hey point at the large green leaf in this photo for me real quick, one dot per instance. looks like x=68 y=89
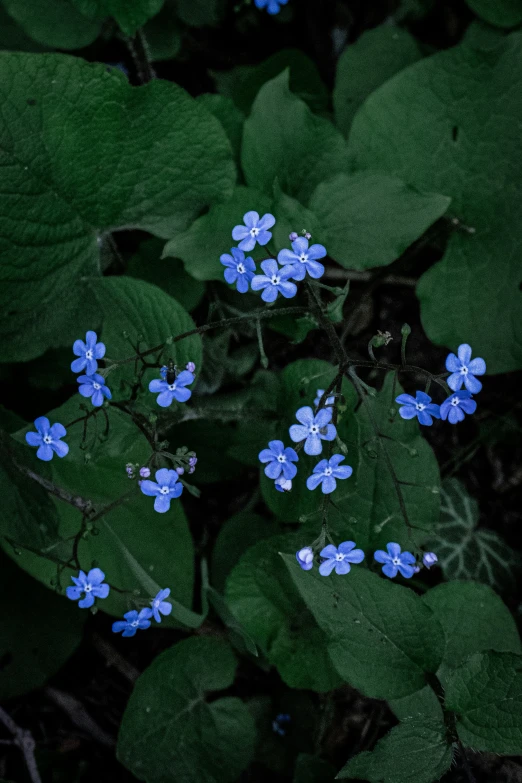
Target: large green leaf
x=235 y=536
x=282 y=139
x=502 y=13
x=446 y=124
x=415 y=751
x=170 y=732
x=466 y=551
x=197 y=13
x=486 y=695
x=261 y=595
x=53 y=23
x=83 y=152
x=376 y=56
x=350 y=206
x=130 y=15
x=382 y=638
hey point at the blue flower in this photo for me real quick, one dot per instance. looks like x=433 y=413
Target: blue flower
x=339 y=558
x=172 y=391
x=254 y=230
x=47 y=439
x=166 y=489
x=463 y=370
x=456 y=405
x=240 y=270
x=279 y=460
x=305 y=558
x=283 y=485
x=325 y=473
x=132 y=622
x=274 y=281
x=93 y=386
x=395 y=561
x=420 y=406
x=313 y=429
x=90 y=584
x=160 y=606
x=303 y=259
x=329 y=400
x=282 y=718
x=429 y=559
x=272 y=6
x=88 y=351
x=163 y=372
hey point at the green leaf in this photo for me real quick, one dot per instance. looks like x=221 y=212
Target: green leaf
x=486 y=695
x=197 y=13
x=260 y=594
x=415 y=751
x=466 y=551
x=170 y=732
x=84 y=152
x=149 y=265
x=138 y=308
x=418 y=127
x=56 y=24
x=292 y=216
x=374 y=58
x=200 y=246
x=129 y=15
x=230 y=117
x=243 y=83
x=381 y=637
x=163 y=33
x=351 y=207
x=238 y=636
x=55 y=625
x=282 y=139
x=312 y=769
x=422 y=704
x=235 y=536
x=13 y=37
x=501 y=13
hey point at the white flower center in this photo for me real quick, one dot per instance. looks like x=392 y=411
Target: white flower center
x=254 y=232
x=464 y=370
x=241 y=269
x=455 y=401
x=135 y=623
x=303 y=258
x=87 y=588
x=275 y=280
x=96 y=386
x=47 y=439
x=281 y=458
x=314 y=429
x=419 y=406
x=164 y=490
x=339 y=556
x=396 y=561
x=88 y=355
x=172 y=387
x=328 y=471
x=155 y=604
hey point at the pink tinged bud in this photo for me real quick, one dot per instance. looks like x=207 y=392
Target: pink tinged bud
x=308 y=235
x=192 y=469
x=191 y=367
x=293 y=236
x=180 y=471
x=144 y=472
x=429 y=559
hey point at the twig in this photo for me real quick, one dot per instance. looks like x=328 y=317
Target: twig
x=113 y=658
x=24 y=740
x=79 y=716
x=78 y=502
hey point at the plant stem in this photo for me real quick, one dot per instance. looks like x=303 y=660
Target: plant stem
x=25 y=741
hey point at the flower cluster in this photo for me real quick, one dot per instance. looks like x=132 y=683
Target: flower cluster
x=272 y=6
x=463 y=373
x=92 y=385
x=134 y=621
x=278 y=274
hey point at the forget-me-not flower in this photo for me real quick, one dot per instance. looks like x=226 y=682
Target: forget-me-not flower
x=160 y=606
x=279 y=460
x=313 y=429
x=329 y=400
x=132 y=622
x=172 y=391
x=420 y=406
x=275 y=281
x=463 y=370
x=340 y=558
x=91 y=585
x=326 y=472
x=456 y=405
x=303 y=259
x=47 y=439
x=429 y=559
x=94 y=386
x=272 y=6
x=254 y=230
x=88 y=351
x=164 y=489
x=305 y=558
x=239 y=270
x=394 y=560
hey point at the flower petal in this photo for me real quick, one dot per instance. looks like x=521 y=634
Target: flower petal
x=424 y=418
x=182 y=395
x=342 y=567
x=472 y=384
x=316 y=251
x=477 y=366
x=86 y=602
x=273 y=469
x=247 y=244
x=165 y=399
x=251 y=219
x=324 y=417
x=329 y=485
x=357 y=556
x=313 y=445
x=157 y=385
x=468 y=406
x=407 y=412
x=45 y=452
x=452 y=363
x=390 y=570
x=162 y=504
x=405 y=399
x=60 y=448
x=288 y=290
x=42 y=425
x=305 y=415
x=264 y=237
x=240 y=232
x=407 y=571
x=79 y=364
x=149 y=488
x=394 y=549
x=267 y=221
x=298 y=433
x=287 y=257
x=58 y=431
x=381 y=556
x=326 y=568
x=455 y=381
x=33 y=439
x=464 y=353
x=314 y=269
x=343 y=472
x=270 y=267
x=269 y=294
x=313 y=481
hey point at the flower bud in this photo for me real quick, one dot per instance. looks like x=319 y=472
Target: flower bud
x=429 y=559
x=144 y=472
x=191 y=367
x=180 y=471
x=305 y=558
x=293 y=236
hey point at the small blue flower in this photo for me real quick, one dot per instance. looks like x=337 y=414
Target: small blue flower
x=282 y=484
x=325 y=473
x=329 y=400
x=456 y=405
x=47 y=439
x=420 y=406
x=132 y=622
x=240 y=270
x=163 y=372
x=313 y=429
x=429 y=559
x=339 y=558
x=172 y=391
x=305 y=558
x=278 y=724
x=88 y=351
x=160 y=606
x=93 y=386
x=91 y=584
x=279 y=460
x=275 y=281
x=463 y=370
x=272 y=6
x=166 y=489
x=254 y=230
x=303 y=259
x=395 y=561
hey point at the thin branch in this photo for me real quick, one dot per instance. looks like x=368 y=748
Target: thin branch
x=24 y=740
x=77 y=501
